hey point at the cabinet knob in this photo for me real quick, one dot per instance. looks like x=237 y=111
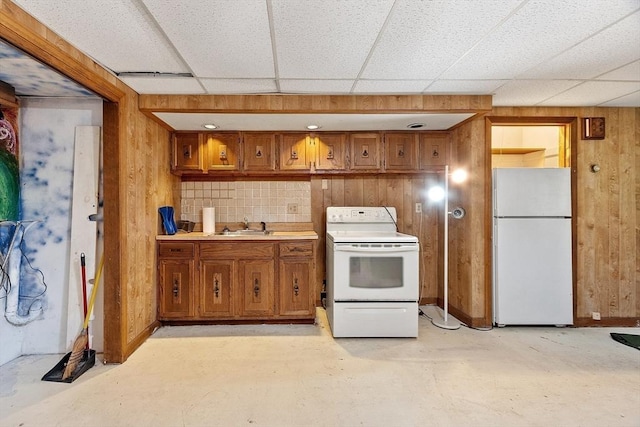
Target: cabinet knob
x=296 y=288
x=256 y=287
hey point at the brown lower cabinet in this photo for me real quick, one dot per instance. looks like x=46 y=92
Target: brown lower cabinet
x=202 y=282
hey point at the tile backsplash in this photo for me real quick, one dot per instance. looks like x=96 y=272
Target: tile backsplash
x=267 y=201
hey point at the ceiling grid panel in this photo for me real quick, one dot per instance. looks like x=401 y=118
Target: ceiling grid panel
x=117 y=34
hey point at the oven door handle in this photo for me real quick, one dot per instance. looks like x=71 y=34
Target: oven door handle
x=361 y=250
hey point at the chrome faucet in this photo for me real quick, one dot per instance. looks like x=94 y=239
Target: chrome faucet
x=246 y=223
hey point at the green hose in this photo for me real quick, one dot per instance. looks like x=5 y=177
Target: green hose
x=9 y=186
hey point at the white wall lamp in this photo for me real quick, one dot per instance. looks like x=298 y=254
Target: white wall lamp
x=443 y=320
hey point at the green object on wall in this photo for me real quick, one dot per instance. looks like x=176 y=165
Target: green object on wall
x=9 y=186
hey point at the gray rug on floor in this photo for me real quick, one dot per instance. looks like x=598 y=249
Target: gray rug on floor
x=627 y=339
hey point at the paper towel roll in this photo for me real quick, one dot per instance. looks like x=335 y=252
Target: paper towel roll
x=208 y=220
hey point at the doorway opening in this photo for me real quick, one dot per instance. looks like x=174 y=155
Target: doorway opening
x=530 y=142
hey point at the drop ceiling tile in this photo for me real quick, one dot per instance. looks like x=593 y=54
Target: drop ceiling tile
x=530 y=92
x=631 y=100
x=594 y=56
x=165 y=85
x=239 y=86
x=592 y=93
x=118 y=34
x=466 y=87
x=316 y=86
x=391 y=86
x=626 y=72
x=219 y=38
x=325 y=39
x=424 y=38
x=537 y=32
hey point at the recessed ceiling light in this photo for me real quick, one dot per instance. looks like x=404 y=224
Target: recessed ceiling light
x=313 y=127
x=416 y=125
x=210 y=126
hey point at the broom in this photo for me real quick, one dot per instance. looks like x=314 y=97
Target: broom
x=83 y=339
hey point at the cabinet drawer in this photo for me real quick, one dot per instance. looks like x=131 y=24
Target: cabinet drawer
x=229 y=250
x=296 y=249
x=175 y=250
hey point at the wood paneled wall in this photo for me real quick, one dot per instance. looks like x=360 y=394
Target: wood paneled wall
x=399 y=191
x=606 y=217
x=139 y=182
x=470 y=237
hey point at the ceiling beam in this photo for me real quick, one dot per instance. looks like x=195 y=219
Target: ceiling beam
x=296 y=104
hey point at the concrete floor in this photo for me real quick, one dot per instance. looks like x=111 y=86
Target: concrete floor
x=298 y=375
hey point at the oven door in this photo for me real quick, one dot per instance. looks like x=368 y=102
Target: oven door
x=375 y=271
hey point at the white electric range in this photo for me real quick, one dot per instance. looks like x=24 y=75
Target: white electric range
x=372 y=274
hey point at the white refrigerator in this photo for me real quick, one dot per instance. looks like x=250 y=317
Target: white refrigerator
x=532 y=263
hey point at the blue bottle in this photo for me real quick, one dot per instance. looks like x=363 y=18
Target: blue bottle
x=168 y=222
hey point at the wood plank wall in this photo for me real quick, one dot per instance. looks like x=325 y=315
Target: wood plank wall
x=607 y=217
x=470 y=237
x=399 y=191
x=140 y=183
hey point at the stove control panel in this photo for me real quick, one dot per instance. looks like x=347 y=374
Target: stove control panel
x=366 y=214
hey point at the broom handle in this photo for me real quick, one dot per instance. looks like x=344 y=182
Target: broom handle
x=83 y=270
x=94 y=293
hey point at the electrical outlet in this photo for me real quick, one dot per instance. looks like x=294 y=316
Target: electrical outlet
x=325 y=184
x=418 y=207
x=292 y=208
x=595 y=315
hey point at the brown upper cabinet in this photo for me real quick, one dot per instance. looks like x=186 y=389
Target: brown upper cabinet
x=222 y=151
x=295 y=152
x=187 y=152
x=365 y=151
x=268 y=153
x=401 y=151
x=259 y=152
x=331 y=152
x=433 y=150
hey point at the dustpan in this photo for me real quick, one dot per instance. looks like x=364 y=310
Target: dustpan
x=55 y=374
x=81 y=359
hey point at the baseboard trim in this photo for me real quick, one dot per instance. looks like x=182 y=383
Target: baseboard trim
x=607 y=321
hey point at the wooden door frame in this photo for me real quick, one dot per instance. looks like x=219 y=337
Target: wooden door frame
x=570 y=124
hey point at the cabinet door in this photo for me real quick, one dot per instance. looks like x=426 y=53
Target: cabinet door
x=176 y=281
x=296 y=296
x=433 y=150
x=295 y=151
x=365 y=151
x=216 y=288
x=331 y=151
x=257 y=288
x=187 y=152
x=222 y=151
x=259 y=152
x=401 y=151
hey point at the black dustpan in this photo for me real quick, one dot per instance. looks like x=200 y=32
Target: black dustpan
x=87 y=362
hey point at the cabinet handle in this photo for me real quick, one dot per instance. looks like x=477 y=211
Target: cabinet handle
x=256 y=287
x=216 y=287
x=176 y=288
x=296 y=288
x=186 y=151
